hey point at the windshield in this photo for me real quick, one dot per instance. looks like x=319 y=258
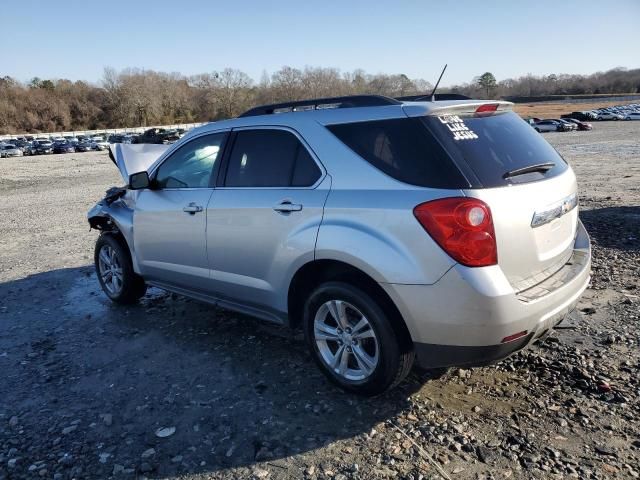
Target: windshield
x=492 y=146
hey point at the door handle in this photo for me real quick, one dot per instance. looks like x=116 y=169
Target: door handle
x=287 y=207
x=192 y=208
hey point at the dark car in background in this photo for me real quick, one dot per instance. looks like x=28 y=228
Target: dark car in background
x=582 y=116
x=63 y=147
x=84 y=146
x=158 y=136
x=30 y=148
x=20 y=143
x=44 y=147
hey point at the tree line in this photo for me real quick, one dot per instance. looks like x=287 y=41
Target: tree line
x=135 y=97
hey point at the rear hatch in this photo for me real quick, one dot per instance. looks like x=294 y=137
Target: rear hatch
x=529 y=188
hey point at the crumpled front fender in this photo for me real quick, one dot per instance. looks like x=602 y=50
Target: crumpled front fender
x=115 y=217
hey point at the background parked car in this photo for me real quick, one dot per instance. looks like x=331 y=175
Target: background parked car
x=85 y=146
x=99 y=143
x=44 y=147
x=158 y=136
x=566 y=126
x=582 y=116
x=30 y=148
x=63 y=147
x=9 y=150
x=610 y=116
x=20 y=143
x=548 y=126
x=581 y=125
x=633 y=116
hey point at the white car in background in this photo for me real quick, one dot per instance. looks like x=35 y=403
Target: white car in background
x=99 y=143
x=633 y=116
x=610 y=116
x=9 y=150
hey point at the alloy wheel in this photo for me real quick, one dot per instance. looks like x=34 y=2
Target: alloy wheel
x=110 y=269
x=346 y=340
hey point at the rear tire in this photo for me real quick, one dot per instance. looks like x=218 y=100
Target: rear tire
x=351 y=338
x=115 y=271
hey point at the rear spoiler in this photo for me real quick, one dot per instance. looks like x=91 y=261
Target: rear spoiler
x=477 y=108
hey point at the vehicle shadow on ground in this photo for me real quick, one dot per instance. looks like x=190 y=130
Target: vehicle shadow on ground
x=237 y=391
x=613 y=227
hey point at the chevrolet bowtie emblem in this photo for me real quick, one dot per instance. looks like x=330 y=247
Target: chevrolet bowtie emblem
x=555 y=210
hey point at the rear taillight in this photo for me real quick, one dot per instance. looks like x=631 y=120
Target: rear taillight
x=486 y=109
x=463 y=227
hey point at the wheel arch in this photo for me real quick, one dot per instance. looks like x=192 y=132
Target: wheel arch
x=313 y=273
x=118 y=222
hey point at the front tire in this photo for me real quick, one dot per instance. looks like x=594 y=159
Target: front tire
x=115 y=271
x=351 y=338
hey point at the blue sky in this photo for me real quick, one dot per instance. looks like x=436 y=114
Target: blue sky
x=77 y=39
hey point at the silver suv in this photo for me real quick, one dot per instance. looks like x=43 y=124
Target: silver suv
x=442 y=230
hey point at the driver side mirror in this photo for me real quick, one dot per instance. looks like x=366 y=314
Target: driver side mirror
x=139 y=180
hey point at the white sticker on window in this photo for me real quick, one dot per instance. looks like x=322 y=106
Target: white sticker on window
x=457 y=127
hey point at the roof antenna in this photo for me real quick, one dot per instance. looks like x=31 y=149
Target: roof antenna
x=433 y=93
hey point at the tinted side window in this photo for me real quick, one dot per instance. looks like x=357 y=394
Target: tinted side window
x=269 y=158
x=403 y=149
x=192 y=164
x=306 y=171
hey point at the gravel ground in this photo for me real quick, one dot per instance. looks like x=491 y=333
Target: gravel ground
x=176 y=389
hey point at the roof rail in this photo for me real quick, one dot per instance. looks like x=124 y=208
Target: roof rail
x=321 y=104
x=438 y=97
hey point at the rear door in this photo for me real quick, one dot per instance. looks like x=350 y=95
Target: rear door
x=530 y=189
x=170 y=218
x=264 y=216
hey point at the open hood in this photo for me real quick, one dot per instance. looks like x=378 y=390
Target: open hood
x=134 y=158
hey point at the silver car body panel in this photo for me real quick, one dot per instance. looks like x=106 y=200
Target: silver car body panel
x=120 y=213
x=240 y=253
x=169 y=243
x=479 y=306
x=523 y=250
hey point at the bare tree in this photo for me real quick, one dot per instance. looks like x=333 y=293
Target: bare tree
x=134 y=97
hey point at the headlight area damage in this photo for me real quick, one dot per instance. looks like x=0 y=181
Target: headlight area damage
x=114 y=214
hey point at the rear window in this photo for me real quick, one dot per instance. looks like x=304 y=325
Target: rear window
x=403 y=149
x=497 y=144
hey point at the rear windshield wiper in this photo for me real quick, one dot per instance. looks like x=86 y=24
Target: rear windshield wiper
x=538 y=167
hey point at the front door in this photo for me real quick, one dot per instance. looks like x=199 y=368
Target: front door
x=170 y=219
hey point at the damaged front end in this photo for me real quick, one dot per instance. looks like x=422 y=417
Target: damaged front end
x=114 y=214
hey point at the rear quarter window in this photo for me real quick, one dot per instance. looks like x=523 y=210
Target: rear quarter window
x=403 y=149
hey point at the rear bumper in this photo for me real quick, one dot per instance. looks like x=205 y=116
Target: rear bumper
x=462 y=319
x=435 y=356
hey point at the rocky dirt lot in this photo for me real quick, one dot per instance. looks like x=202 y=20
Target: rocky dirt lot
x=176 y=389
